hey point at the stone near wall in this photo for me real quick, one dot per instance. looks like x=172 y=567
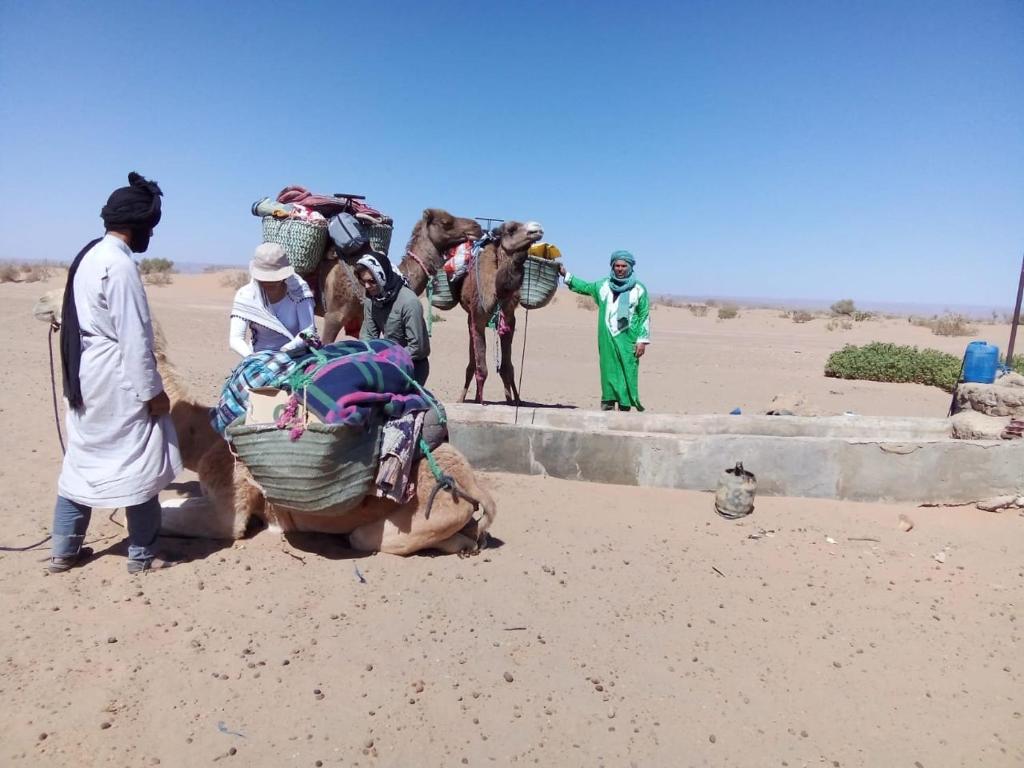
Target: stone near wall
x=971 y=425
x=1011 y=379
x=997 y=504
x=991 y=399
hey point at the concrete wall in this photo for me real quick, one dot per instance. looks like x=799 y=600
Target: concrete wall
x=848 y=457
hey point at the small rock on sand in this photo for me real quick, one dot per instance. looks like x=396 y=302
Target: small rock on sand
x=508 y=677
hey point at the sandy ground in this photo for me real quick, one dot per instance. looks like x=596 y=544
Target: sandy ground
x=634 y=625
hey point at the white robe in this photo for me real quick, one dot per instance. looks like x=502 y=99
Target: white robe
x=117 y=454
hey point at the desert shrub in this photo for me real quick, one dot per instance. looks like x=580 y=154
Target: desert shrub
x=1017 y=364
x=9 y=273
x=800 y=316
x=34 y=274
x=667 y=301
x=150 y=266
x=728 y=312
x=860 y=317
x=698 y=310
x=436 y=318
x=586 y=302
x=236 y=278
x=157 y=278
x=843 y=307
x=952 y=325
x=947 y=325
x=837 y=324
x=879 y=361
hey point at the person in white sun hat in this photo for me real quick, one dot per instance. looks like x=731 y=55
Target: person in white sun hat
x=275 y=307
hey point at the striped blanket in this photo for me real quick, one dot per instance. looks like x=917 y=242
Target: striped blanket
x=262 y=369
x=344 y=382
x=351 y=378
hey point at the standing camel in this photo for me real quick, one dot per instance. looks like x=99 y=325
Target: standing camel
x=231 y=500
x=433 y=234
x=493 y=282
x=341 y=295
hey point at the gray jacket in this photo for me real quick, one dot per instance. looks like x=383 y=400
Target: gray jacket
x=401 y=321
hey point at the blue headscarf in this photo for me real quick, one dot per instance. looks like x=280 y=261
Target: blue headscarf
x=622 y=285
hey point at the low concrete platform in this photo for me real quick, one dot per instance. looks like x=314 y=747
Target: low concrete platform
x=838 y=457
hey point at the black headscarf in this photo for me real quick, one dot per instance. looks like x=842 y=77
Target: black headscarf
x=389 y=281
x=135 y=208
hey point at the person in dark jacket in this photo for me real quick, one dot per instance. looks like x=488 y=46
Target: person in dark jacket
x=392 y=311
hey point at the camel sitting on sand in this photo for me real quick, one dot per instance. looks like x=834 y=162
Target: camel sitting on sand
x=232 y=501
x=341 y=295
x=493 y=282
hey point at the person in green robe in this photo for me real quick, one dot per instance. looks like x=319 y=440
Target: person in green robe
x=623 y=329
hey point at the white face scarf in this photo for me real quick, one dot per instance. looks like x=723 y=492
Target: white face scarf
x=251 y=305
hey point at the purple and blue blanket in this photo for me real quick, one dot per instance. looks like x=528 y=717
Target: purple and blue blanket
x=346 y=382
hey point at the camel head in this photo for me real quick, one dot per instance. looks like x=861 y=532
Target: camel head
x=445 y=230
x=515 y=238
x=48 y=307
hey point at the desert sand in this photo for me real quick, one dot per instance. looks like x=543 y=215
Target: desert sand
x=605 y=625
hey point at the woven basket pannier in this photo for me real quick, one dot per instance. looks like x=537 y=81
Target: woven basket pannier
x=328 y=470
x=303 y=241
x=540 y=281
x=380 y=236
x=443 y=297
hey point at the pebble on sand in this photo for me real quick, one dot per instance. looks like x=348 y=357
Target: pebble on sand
x=508 y=677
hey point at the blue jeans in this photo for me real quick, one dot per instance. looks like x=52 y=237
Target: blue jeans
x=71 y=520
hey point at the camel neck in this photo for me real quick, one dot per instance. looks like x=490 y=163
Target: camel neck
x=423 y=254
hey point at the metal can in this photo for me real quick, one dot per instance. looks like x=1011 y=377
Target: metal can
x=734 y=497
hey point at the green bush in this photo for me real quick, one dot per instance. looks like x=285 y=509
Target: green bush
x=151 y=266
x=890 y=362
x=728 y=311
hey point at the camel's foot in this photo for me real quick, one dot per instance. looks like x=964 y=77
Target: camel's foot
x=458 y=544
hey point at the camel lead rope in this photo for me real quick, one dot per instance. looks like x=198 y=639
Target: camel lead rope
x=54 y=327
x=522 y=360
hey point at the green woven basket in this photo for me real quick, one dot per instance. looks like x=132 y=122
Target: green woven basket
x=380 y=237
x=442 y=296
x=328 y=470
x=303 y=241
x=540 y=281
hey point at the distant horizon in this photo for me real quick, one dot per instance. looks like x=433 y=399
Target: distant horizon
x=974 y=311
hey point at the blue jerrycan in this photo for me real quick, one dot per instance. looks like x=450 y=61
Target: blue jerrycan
x=981 y=362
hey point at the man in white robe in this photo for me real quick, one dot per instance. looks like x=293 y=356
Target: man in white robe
x=122 y=448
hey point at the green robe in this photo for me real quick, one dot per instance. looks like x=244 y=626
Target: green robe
x=620 y=367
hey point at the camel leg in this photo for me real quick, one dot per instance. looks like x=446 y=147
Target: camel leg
x=458 y=545
x=480 y=356
x=223 y=511
x=332 y=327
x=197 y=517
x=507 y=369
x=477 y=358
x=407 y=530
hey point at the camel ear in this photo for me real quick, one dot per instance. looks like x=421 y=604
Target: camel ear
x=429 y=214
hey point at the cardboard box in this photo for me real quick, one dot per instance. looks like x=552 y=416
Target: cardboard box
x=267 y=403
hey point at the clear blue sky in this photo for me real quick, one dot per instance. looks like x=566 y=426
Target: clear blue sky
x=814 y=149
